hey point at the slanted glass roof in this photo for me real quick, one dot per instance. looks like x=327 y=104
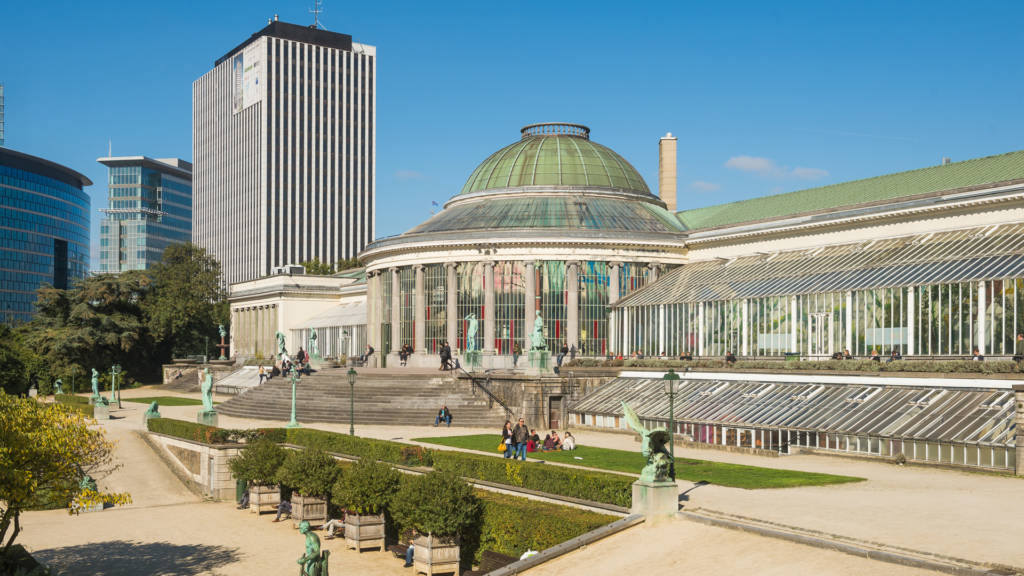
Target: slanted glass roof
x=567 y=211
x=970 y=415
x=555 y=155
x=984 y=253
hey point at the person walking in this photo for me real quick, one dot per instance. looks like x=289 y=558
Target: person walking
x=516 y=351
x=506 y=439
x=520 y=437
x=263 y=374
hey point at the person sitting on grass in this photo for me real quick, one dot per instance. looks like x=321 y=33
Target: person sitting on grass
x=549 y=443
x=533 y=442
x=556 y=442
x=285 y=507
x=569 y=442
x=334 y=526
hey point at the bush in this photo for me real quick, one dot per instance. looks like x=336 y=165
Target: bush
x=503 y=528
x=393 y=452
x=367 y=487
x=312 y=472
x=258 y=462
x=210 y=434
x=604 y=487
x=438 y=503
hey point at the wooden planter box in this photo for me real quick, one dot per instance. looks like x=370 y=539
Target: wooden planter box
x=433 y=555
x=308 y=508
x=264 y=498
x=364 y=531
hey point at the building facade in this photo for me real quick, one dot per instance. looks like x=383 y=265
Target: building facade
x=149 y=207
x=44 y=230
x=1 y=114
x=284 y=141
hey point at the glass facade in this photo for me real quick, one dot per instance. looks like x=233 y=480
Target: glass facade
x=149 y=208
x=44 y=235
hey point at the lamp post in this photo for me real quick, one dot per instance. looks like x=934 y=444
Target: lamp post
x=352 y=401
x=670 y=388
x=295 y=378
x=115 y=390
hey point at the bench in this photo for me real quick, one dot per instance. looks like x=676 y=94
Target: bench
x=489 y=562
x=399 y=550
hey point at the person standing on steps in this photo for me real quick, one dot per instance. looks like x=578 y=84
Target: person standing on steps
x=520 y=437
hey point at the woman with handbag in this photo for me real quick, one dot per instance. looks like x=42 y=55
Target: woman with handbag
x=506 y=440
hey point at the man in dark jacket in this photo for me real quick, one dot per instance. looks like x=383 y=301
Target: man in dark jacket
x=520 y=437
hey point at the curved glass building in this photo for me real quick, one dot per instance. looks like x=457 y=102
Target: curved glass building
x=553 y=223
x=44 y=230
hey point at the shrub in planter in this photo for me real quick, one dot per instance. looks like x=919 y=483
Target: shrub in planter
x=257 y=465
x=311 y=474
x=441 y=507
x=365 y=490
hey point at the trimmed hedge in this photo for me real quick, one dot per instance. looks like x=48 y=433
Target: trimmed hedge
x=211 y=434
x=505 y=530
x=938 y=366
x=71 y=399
x=572 y=482
x=393 y=452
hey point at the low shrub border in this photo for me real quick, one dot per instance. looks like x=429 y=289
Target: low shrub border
x=71 y=399
x=387 y=451
x=211 y=434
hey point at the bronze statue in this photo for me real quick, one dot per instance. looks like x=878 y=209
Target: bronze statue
x=281 y=351
x=313 y=562
x=659 y=461
x=153 y=412
x=58 y=386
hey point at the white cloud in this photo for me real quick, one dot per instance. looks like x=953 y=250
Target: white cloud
x=705 y=186
x=767 y=168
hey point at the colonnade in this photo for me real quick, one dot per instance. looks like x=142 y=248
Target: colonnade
x=252 y=330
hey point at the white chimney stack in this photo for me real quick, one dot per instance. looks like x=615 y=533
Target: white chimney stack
x=667 y=171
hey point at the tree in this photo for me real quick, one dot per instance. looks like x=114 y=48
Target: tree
x=317 y=268
x=186 y=302
x=13 y=375
x=348 y=264
x=45 y=451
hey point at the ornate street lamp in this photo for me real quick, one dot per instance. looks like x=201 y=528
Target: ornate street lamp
x=295 y=378
x=670 y=388
x=352 y=401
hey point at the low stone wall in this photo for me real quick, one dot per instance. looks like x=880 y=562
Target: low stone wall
x=204 y=466
x=189 y=376
x=538 y=398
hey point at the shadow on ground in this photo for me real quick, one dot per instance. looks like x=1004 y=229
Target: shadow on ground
x=121 y=557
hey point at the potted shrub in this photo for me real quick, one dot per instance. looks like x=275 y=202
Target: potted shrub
x=365 y=491
x=311 y=474
x=441 y=507
x=257 y=465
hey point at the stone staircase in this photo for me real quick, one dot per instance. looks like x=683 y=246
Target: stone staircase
x=398 y=399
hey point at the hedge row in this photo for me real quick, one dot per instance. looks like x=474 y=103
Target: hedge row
x=939 y=366
x=210 y=434
x=572 y=482
x=71 y=399
x=384 y=450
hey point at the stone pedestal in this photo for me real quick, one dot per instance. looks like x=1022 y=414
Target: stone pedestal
x=93 y=400
x=539 y=359
x=655 y=499
x=207 y=417
x=101 y=411
x=146 y=416
x=471 y=359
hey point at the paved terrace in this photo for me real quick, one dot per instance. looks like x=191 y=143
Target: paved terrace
x=967 y=515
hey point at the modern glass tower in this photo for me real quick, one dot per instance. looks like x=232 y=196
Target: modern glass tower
x=284 y=138
x=1 y=114
x=44 y=230
x=149 y=207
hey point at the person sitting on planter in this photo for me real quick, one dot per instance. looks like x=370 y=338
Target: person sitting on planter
x=977 y=356
x=243 y=502
x=285 y=507
x=875 y=356
x=730 y=358
x=409 y=550
x=846 y=354
x=334 y=525
x=895 y=355
x=569 y=443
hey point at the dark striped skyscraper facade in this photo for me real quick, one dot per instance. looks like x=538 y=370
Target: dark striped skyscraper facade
x=284 y=141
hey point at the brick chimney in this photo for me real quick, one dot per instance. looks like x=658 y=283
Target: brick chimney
x=667 y=171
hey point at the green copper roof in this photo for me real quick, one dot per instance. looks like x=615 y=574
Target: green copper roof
x=553 y=155
x=964 y=174
x=566 y=211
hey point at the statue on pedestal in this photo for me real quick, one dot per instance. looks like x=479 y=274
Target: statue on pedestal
x=314 y=349
x=95 y=383
x=471 y=332
x=58 y=386
x=659 y=461
x=153 y=412
x=281 y=351
x=313 y=562
x=537 y=341
x=207 y=390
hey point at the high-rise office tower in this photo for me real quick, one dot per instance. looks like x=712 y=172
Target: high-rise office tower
x=1 y=114
x=149 y=207
x=284 y=139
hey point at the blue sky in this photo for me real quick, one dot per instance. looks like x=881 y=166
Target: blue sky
x=764 y=97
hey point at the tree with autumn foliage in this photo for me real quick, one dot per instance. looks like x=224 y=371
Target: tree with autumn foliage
x=45 y=451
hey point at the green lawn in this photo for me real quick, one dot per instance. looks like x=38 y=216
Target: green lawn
x=167 y=400
x=732 y=475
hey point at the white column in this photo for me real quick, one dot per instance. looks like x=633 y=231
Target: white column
x=530 y=304
x=572 y=305
x=396 y=312
x=794 y=323
x=911 y=317
x=982 y=305
x=613 y=295
x=420 y=329
x=452 y=305
x=489 y=328
x=627 y=342
x=849 y=321
x=744 y=345
x=700 y=329
x=661 y=328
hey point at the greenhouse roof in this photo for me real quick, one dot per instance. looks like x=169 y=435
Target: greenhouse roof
x=555 y=155
x=967 y=174
x=970 y=415
x=985 y=253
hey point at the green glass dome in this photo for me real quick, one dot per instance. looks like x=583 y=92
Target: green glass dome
x=555 y=155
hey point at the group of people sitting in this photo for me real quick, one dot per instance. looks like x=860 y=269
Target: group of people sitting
x=404 y=352
x=301 y=362
x=551 y=442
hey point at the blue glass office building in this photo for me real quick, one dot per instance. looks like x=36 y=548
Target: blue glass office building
x=149 y=208
x=44 y=230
